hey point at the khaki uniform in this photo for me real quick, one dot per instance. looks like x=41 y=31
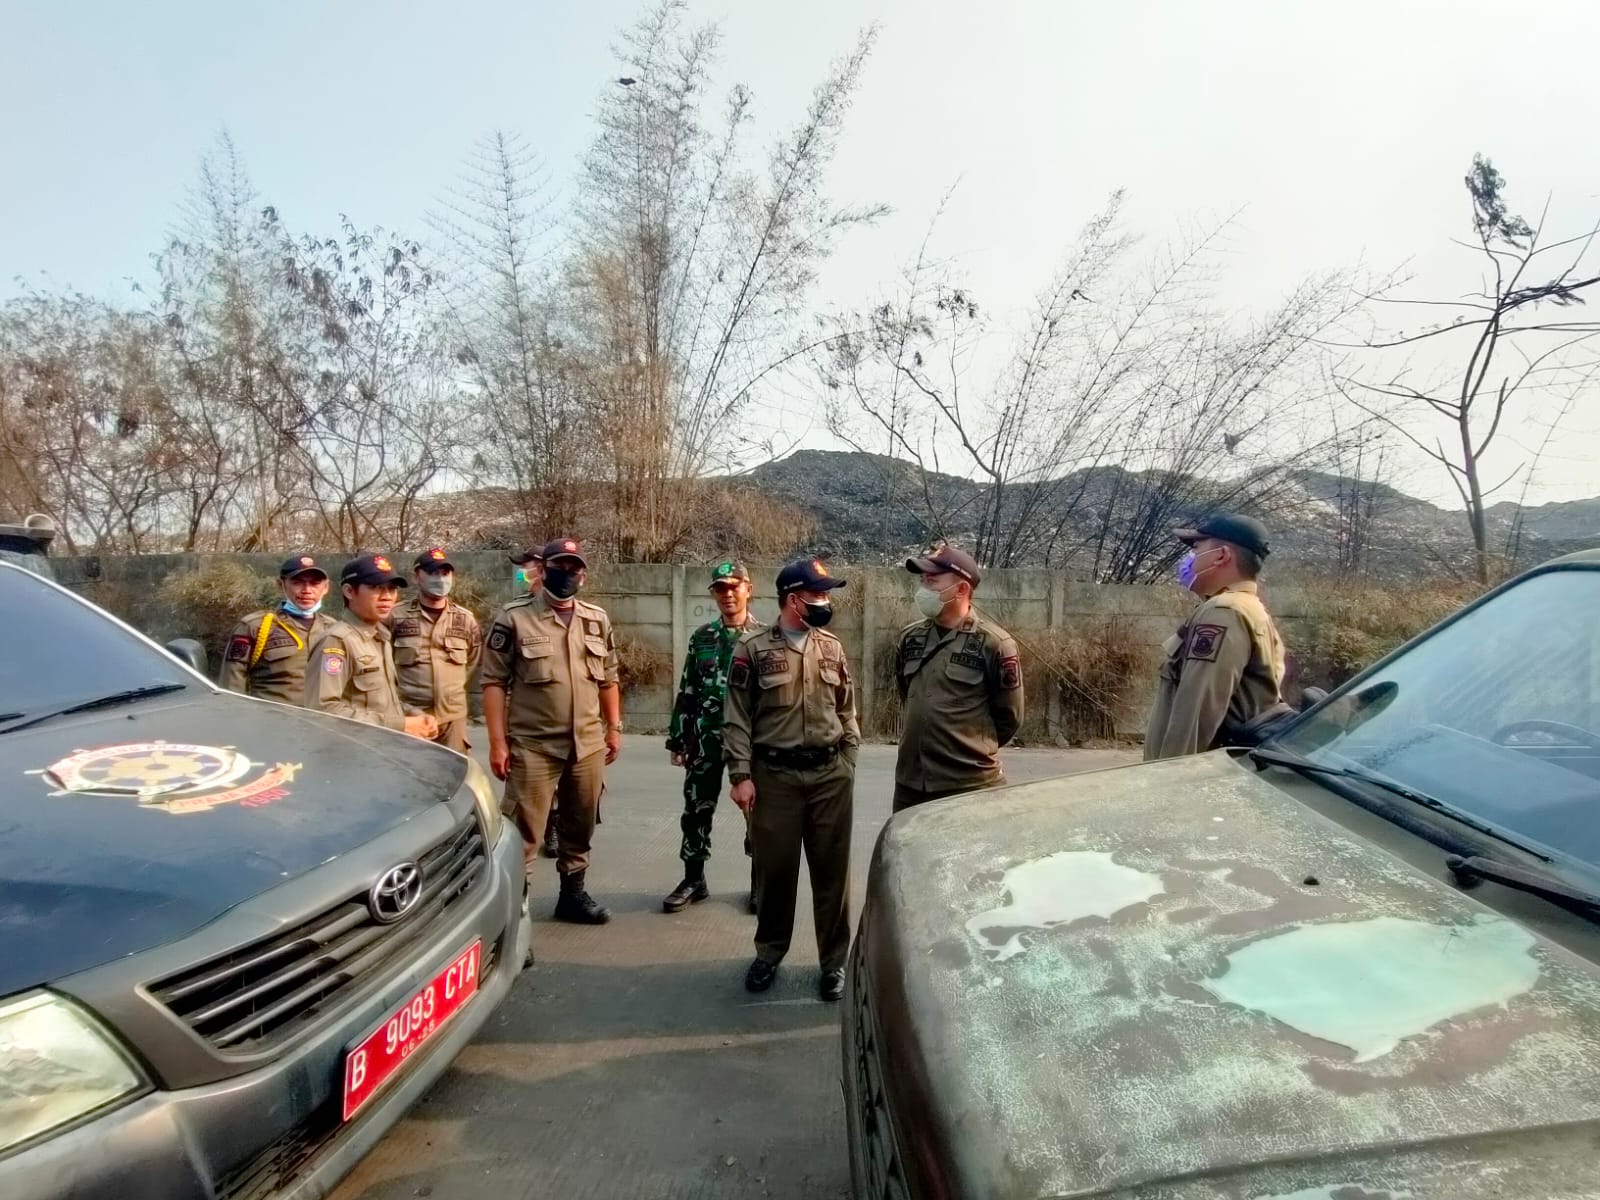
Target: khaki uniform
x=267 y=653
x=436 y=651
x=961 y=698
x=351 y=673
x=1224 y=666
x=790 y=724
x=552 y=674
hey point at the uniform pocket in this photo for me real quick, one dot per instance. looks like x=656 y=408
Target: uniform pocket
x=967 y=676
x=830 y=673
x=456 y=649
x=273 y=654
x=535 y=662
x=406 y=656
x=367 y=681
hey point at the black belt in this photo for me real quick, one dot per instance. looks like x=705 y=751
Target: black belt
x=802 y=758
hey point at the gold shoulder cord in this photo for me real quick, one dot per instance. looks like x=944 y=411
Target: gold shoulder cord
x=265 y=631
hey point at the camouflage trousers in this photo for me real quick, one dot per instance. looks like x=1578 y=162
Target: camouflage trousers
x=702 y=788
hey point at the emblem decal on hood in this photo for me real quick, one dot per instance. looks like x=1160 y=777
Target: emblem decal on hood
x=175 y=777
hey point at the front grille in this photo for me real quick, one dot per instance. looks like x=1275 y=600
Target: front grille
x=279 y=1164
x=884 y=1178
x=263 y=993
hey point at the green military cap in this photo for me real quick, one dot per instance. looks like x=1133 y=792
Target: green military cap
x=728 y=571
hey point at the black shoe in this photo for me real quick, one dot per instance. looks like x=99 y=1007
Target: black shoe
x=580 y=908
x=690 y=891
x=831 y=985
x=760 y=975
x=551 y=848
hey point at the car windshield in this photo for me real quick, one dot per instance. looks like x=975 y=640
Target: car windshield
x=1497 y=715
x=59 y=653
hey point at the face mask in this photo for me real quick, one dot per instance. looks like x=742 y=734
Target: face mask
x=1188 y=571
x=561 y=584
x=289 y=606
x=437 y=585
x=817 y=615
x=929 y=602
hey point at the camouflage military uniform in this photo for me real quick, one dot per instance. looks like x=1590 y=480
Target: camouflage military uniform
x=696 y=730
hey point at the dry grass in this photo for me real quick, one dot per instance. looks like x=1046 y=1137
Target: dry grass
x=214 y=598
x=1102 y=671
x=640 y=664
x=1351 y=627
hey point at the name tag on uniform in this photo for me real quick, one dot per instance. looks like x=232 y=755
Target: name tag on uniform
x=772 y=662
x=408 y=628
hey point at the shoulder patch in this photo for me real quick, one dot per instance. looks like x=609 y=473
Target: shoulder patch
x=332 y=661
x=739 y=673
x=1010 y=673
x=1205 y=641
x=239 y=649
x=499 y=638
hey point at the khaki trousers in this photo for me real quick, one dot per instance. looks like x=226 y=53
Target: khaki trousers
x=535 y=781
x=454 y=735
x=809 y=810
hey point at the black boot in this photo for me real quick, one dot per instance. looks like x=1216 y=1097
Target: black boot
x=551 y=847
x=692 y=890
x=576 y=905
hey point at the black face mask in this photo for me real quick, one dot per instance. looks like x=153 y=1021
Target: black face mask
x=816 y=615
x=561 y=583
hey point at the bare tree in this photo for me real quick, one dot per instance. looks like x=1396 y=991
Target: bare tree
x=1128 y=401
x=691 y=270
x=1516 y=347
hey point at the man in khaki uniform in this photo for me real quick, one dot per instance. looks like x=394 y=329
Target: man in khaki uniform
x=960 y=685
x=267 y=651
x=553 y=708
x=529 y=578
x=437 y=645
x=790 y=737
x=1224 y=666
x=351 y=672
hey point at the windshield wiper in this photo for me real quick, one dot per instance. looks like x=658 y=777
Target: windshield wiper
x=126 y=696
x=1474 y=867
x=1282 y=758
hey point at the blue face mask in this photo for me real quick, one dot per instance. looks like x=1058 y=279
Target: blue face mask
x=289 y=606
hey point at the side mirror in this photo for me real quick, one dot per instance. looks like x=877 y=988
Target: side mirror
x=188 y=651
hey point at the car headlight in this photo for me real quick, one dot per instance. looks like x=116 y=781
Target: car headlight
x=55 y=1067
x=482 y=789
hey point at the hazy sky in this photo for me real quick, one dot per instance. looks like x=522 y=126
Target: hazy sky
x=1343 y=129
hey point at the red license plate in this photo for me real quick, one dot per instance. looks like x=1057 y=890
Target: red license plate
x=386 y=1049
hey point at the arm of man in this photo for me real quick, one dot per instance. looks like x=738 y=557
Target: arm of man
x=328 y=680
x=680 y=730
x=474 y=646
x=235 y=673
x=1005 y=690
x=738 y=712
x=611 y=696
x=498 y=650
x=1214 y=659
x=901 y=682
x=844 y=700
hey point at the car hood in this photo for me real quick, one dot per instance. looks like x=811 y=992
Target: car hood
x=243 y=795
x=1168 y=979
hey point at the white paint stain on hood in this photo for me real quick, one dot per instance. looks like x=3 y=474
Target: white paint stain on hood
x=1369 y=984
x=1057 y=890
x=1340 y=1191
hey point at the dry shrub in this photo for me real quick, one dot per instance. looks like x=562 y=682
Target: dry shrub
x=731 y=519
x=207 y=603
x=894 y=614
x=1349 y=628
x=1102 y=670
x=640 y=664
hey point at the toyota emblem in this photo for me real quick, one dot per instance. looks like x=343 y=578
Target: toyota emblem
x=396 y=893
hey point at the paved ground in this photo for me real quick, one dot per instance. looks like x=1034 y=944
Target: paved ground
x=630 y=1062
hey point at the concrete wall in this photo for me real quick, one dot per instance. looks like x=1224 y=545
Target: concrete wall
x=657 y=605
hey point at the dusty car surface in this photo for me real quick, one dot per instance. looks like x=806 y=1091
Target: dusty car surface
x=1357 y=962
x=237 y=939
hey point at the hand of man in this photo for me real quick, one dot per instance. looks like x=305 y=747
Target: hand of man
x=743 y=794
x=422 y=725
x=499 y=757
x=679 y=759
x=613 y=745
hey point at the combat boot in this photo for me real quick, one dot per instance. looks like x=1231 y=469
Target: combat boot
x=576 y=905
x=551 y=847
x=692 y=890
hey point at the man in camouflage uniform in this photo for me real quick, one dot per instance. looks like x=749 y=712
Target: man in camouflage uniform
x=267 y=651
x=437 y=645
x=695 y=737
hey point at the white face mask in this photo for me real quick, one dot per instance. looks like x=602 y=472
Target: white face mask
x=931 y=603
x=438 y=585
